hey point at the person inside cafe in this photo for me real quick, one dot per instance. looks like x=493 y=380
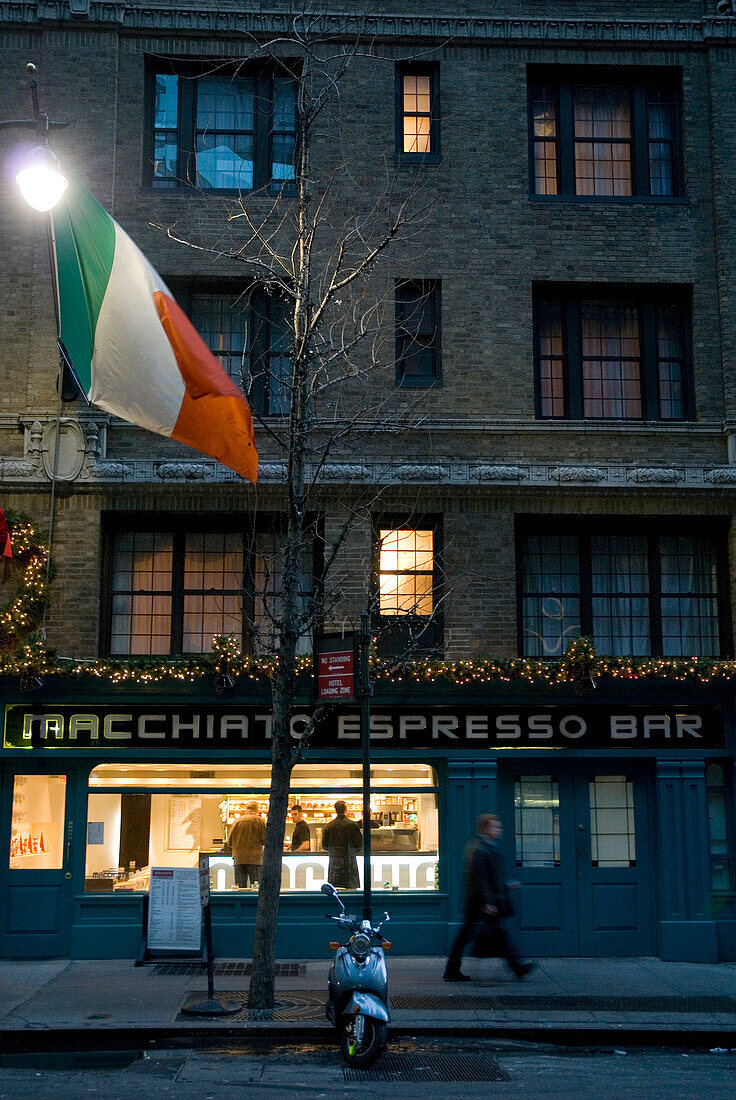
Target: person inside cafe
x=342 y=840
x=301 y=837
x=246 y=841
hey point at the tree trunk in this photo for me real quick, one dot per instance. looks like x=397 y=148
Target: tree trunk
x=263 y=981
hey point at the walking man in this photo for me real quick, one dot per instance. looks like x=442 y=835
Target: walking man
x=246 y=841
x=486 y=896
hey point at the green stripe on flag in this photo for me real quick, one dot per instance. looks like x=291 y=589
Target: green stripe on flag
x=84 y=235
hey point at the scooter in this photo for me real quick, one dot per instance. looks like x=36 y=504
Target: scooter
x=358 y=988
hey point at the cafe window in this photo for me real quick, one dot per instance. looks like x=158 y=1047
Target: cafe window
x=37 y=823
x=146 y=815
x=171 y=591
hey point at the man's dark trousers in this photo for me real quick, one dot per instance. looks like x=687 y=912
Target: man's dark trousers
x=465 y=935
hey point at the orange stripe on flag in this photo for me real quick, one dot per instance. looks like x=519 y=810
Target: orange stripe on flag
x=214 y=417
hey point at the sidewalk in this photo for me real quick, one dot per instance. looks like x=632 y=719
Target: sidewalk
x=569 y=1000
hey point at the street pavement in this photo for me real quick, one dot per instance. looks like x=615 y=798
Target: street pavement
x=575 y=1000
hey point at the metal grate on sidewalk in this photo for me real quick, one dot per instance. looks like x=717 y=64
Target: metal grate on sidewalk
x=290 y=1005
x=225 y=969
x=430 y=1068
x=621 y=1004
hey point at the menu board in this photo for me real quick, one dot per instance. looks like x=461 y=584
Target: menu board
x=174 y=909
x=185 y=818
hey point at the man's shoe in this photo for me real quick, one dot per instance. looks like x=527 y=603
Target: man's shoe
x=524 y=969
x=448 y=976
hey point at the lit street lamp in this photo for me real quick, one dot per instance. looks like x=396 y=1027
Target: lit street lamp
x=41 y=181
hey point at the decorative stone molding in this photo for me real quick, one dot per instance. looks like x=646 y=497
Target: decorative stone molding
x=271 y=471
x=63 y=449
x=498 y=473
x=415 y=471
x=17 y=468
x=183 y=471
x=182 y=18
x=344 y=471
x=578 y=473
x=664 y=475
x=722 y=475
x=110 y=470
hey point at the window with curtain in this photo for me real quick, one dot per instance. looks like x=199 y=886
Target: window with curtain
x=637 y=592
x=417 y=112
x=607 y=353
x=596 y=134
x=172 y=590
x=250 y=334
x=407 y=586
x=218 y=127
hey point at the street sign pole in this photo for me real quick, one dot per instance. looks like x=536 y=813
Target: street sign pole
x=364 y=641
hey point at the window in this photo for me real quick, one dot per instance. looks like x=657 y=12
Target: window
x=719 y=828
x=651 y=590
x=417 y=333
x=143 y=815
x=250 y=334
x=598 y=135
x=537 y=820
x=171 y=591
x=218 y=128
x=612 y=832
x=607 y=353
x=417 y=113
x=407 y=587
x=37 y=826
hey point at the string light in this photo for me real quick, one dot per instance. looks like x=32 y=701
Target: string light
x=21 y=650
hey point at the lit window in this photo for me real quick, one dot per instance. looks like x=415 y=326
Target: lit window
x=417 y=135
x=406 y=569
x=143 y=815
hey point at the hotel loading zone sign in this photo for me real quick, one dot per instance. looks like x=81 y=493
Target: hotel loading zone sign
x=476 y=728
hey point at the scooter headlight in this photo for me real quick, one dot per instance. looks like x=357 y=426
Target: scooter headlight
x=360 y=946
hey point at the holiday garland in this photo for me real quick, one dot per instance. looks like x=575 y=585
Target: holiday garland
x=19 y=619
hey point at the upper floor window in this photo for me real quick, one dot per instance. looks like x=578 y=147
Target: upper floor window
x=417 y=112
x=173 y=588
x=219 y=129
x=604 y=136
x=612 y=353
x=249 y=333
x=407 y=576
x=636 y=589
x=418 y=333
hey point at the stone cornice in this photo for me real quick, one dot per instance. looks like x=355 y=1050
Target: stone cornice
x=193 y=19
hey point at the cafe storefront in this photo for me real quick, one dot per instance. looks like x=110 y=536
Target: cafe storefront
x=618 y=814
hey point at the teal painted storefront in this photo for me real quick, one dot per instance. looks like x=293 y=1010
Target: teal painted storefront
x=661 y=903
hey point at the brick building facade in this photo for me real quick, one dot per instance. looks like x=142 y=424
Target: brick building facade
x=568 y=439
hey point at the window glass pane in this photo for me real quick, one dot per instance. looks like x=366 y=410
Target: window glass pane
x=267 y=571
x=283 y=135
x=141 y=584
x=620 y=586
x=416 y=110
x=661 y=141
x=551 y=362
x=406 y=572
x=611 y=362
x=224 y=132
x=166 y=111
x=544 y=112
x=222 y=322
x=416 y=320
x=718 y=832
x=689 y=605
x=714 y=775
x=180 y=824
x=670 y=364
x=537 y=821
x=551 y=594
x=37 y=823
x=612 y=833
x=602 y=131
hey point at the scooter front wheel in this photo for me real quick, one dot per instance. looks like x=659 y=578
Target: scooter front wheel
x=362 y=1054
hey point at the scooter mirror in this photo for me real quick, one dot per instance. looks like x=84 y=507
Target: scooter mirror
x=386 y=918
x=329 y=889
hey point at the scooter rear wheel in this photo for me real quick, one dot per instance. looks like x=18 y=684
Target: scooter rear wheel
x=375 y=1037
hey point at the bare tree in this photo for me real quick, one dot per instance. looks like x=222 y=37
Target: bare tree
x=317 y=246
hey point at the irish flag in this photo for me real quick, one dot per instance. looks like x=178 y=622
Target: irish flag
x=133 y=351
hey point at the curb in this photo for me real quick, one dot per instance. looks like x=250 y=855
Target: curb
x=59 y=1039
